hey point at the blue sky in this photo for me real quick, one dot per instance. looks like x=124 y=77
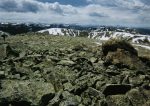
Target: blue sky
x=96 y=12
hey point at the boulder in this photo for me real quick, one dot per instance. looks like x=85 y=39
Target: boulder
x=123 y=59
x=118 y=100
x=136 y=97
x=121 y=54
x=28 y=92
x=113 y=44
x=3 y=51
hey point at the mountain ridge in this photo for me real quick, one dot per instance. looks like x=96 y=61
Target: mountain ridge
x=100 y=34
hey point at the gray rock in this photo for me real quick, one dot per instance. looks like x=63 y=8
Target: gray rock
x=87 y=101
x=17 y=76
x=101 y=103
x=11 y=52
x=2 y=74
x=68 y=86
x=118 y=100
x=95 y=93
x=126 y=80
x=146 y=93
x=54 y=58
x=122 y=57
x=66 y=62
x=28 y=63
x=100 y=85
x=3 y=51
x=112 y=72
x=112 y=67
x=22 y=54
x=56 y=99
x=28 y=91
x=70 y=99
x=136 y=97
x=138 y=80
x=93 y=59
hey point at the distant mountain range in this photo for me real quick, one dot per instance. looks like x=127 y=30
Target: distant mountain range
x=134 y=35
x=18 y=28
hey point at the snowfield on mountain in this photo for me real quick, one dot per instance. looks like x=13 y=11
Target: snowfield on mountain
x=61 y=31
x=101 y=35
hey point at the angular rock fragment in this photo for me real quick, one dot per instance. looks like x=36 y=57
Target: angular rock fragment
x=69 y=99
x=66 y=62
x=68 y=86
x=95 y=93
x=112 y=72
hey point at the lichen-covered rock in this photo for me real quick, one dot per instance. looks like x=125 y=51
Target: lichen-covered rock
x=136 y=97
x=118 y=100
x=68 y=86
x=69 y=99
x=24 y=91
x=3 y=51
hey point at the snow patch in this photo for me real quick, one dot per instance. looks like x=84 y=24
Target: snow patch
x=53 y=31
x=146 y=47
x=61 y=31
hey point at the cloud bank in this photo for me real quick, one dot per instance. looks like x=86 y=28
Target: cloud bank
x=99 y=12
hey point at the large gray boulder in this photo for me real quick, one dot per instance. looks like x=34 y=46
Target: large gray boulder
x=26 y=93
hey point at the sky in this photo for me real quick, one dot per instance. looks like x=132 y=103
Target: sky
x=85 y=12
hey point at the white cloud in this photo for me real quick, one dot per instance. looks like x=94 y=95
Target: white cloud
x=116 y=12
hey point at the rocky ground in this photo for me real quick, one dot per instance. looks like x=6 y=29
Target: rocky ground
x=41 y=70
